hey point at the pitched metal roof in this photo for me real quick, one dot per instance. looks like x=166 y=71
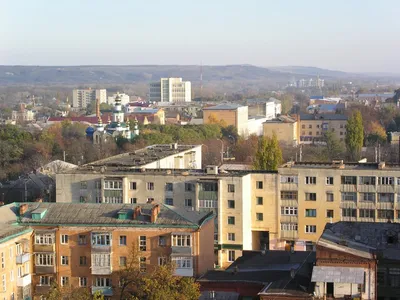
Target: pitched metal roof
x=338 y=274
x=330 y=117
x=224 y=106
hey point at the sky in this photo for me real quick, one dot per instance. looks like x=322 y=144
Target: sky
x=346 y=35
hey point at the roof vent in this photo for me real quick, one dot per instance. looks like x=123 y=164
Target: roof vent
x=123 y=214
x=39 y=213
x=338 y=164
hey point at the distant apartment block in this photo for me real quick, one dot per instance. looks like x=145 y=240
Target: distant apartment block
x=230 y=114
x=171 y=90
x=82 y=97
x=125 y=99
x=286 y=129
x=269 y=108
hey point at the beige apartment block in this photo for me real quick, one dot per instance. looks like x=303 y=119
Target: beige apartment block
x=285 y=128
x=313 y=194
x=231 y=114
x=313 y=127
x=172 y=90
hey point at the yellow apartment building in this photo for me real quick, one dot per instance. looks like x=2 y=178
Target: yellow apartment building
x=313 y=127
x=15 y=257
x=286 y=128
x=313 y=194
x=85 y=245
x=231 y=114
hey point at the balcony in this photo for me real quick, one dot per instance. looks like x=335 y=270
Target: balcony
x=289 y=219
x=42 y=289
x=45 y=269
x=188 y=272
x=101 y=249
x=208 y=195
x=181 y=250
x=22 y=258
x=24 y=281
x=101 y=270
x=44 y=248
x=290 y=234
x=104 y=290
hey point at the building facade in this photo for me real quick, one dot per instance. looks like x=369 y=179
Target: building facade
x=82 y=97
x=285 y=128
x=86 y=245
x=170 y=90
x=125 y=99
x=231 y=114
x=313 y=127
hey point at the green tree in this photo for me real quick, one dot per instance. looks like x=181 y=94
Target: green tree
x=354 y=135
x=269 y=154
x=60 y=293
x=334 y=147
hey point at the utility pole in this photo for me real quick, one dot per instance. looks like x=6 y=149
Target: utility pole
x=64 y=154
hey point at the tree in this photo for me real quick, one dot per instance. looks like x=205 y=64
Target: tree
x=57 y=293
x=334 y=147
x=269 y=154
x=354 y=135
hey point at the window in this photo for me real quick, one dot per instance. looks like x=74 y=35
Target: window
x=259 y=216
x=208 y=204
x=259 y=185
x=142 y=264
x=150 y=186
x=169 y=187
x=44 y=260
x=18 y=249
x=3 y=261
x=311 y=180
x=83 y=185
x=329 y=213
x=182 y=262
x=181 y=240
x=19 y=272
x=368 y=180
x=329 y=197
x=349 y=212
x=97 y=185
x=44 y=238
x=370 y=197
x=231 y=236
x=82 y=239
x=150 y=199
x=189 y=187
x=162 y=261
x=394 y=277
x=64 y=260
x=112 y=185
x=303 y=126
x=45 y=280
x=367 y=213
x=82 y=281
x=133 y=200
x=122 y=240
x=386 y=197
x=288 y=195
x=82 y=199
x=231 y=203
x=231 y=220
x=4 y=282
x=317 y=133
x=101 y=260
x=188 y=202
x=310 y=133
x=64 y=280
x=101 y=239
x=349 y=179
x=289 y=226
x=12 y=275
x=309 y=126
x=311 y=229
x=122 y=261
x=311 y=196
x=142 y=243
x=386 y=180
x=231 y=188
x=103 y=282
x=288 y=211
x=231 y=255
x=162 y=241
x=132 y=185
x=349 y=196
x=312 y=213
x=329 y=180
x=11 y=252
x=64 y=239
x=289 y=179
x=259 y=200
x=385 y=214
x=82 y=261
x=169 y=201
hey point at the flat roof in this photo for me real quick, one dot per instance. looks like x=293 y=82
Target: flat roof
x=224 y=106
x=321 y=117
x=8 y=225
x=142 y=157
x=345 y=166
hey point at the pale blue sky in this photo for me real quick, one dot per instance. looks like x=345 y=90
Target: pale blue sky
x=349 y=35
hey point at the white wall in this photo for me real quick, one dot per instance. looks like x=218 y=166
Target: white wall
x=255 y=126
x=246 y=213
x=125 y=99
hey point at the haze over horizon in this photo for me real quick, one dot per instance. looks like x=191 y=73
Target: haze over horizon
x=351 y=36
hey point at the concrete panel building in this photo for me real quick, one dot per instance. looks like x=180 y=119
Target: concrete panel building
x=82 y=97
x=231 y=114
x=170 y=90
x=125 y=99
x=286 y=129
x=313 y=127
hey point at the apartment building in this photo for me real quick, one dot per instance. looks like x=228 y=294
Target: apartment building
x=15 y=257
x=313 y=194
x=82 y=97
x=170 y=90
x=124 y=98
x=286 y=129
x=231 y=114
x=85 y=245
x=313 y=127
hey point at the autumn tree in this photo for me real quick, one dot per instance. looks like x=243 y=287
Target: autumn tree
x=58 y=292
x=354 y=135
x=269 y=154
x=375 y=134
x=334 y=147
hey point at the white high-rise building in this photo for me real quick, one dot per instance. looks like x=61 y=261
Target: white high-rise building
x=124 y=99
x=82 y=97
x=171 y=90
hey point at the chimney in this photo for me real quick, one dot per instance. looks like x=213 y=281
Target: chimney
x=22 y=209
x=137 y=212
x=155 y=210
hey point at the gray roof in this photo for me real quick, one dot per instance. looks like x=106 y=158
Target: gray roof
x=346 y=166
x=338 y=274
x=329 y=117
x=8 y=225
x=363 y=239
x=92 y=214
x=224 y=106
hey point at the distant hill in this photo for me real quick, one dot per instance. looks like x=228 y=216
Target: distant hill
x=43 y=75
